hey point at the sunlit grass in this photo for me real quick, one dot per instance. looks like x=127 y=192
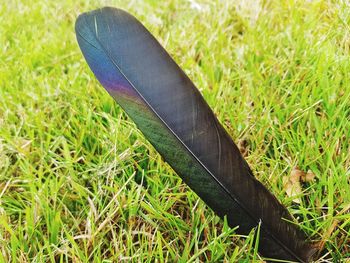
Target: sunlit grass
x=78 y=181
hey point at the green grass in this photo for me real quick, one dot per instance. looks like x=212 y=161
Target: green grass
x=78 y=181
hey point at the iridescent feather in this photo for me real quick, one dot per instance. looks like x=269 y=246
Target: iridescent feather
x=171 y=113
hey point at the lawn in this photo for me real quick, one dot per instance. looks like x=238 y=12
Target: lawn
x=80 y=183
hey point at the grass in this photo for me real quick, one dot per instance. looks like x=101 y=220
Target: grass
x=78 y=181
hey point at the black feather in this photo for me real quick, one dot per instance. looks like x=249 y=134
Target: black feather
x=174 y=117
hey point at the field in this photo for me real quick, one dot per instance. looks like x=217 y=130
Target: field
x=79 y=182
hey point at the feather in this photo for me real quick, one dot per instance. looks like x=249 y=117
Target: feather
x=171 y=113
